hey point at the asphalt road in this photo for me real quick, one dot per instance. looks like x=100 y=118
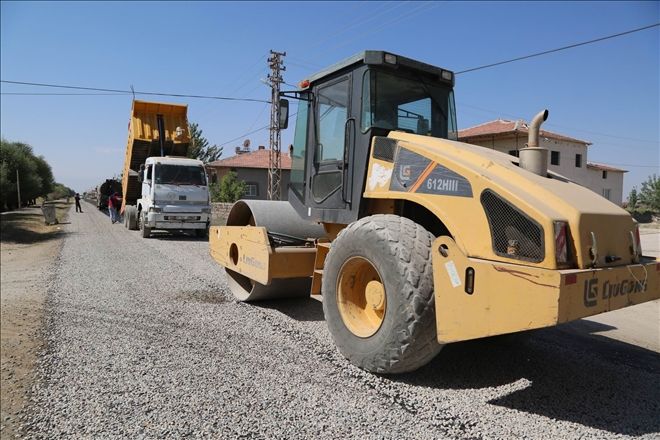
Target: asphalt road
x=144 y=340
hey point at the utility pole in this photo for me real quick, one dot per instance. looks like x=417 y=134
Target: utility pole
x=276 y=64
x=18 y=188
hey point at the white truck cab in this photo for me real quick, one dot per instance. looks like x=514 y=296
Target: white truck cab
x=175 y=196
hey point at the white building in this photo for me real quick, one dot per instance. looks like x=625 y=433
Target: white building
x=567 y=156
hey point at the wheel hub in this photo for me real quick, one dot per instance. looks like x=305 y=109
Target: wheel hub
x=375 y=294
x=361 y=297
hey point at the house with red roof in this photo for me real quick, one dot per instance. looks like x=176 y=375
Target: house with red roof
x=251 y=166
x=567 y=155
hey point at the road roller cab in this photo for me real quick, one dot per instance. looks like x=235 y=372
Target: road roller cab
x=415 y=240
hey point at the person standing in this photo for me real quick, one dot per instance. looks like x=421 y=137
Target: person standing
x=78 y=207
x=114 y=203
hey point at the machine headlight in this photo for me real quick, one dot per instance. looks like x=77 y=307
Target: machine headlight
x=206 y=210
x=155 y=209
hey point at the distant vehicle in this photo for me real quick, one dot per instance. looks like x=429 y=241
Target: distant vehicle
x=105 y=190
x=163 y=189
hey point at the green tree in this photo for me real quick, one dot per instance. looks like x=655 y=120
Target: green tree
x=228 y=190
x=60 y=191
x=17 y=156
x=200 y=147
x=632 y=199
x=46 y=173
x=35 y=176
x=649 y=194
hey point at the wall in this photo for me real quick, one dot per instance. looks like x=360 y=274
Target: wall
x=567 y=150
x=613 y=182
x=219 y=213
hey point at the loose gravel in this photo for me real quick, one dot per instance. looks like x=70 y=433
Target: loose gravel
x=144 y=340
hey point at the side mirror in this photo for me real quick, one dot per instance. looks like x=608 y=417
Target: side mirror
x=423 y=126
x=140 y=175
x=284 y=113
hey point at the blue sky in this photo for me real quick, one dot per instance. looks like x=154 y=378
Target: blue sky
x=607 y=93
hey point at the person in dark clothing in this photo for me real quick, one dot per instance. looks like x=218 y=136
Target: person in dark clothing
x=78 y=207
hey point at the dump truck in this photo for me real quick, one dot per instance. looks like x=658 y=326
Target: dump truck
x=162 y=188
x=105 y=190
x=415 y=240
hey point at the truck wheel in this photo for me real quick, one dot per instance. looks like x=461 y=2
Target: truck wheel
x=146 y=231
x=131 y=217
x=378 y=297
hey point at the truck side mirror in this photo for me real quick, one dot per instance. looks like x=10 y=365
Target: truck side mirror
x=284 y=114
x=422 y=126
x=140 y=175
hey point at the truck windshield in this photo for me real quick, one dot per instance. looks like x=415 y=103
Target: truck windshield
x=180 y=175
x=408 y=102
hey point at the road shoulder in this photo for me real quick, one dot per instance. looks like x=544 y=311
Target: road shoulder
x=27 y=255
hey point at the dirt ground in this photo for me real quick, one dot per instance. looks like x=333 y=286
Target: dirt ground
x=28 y=249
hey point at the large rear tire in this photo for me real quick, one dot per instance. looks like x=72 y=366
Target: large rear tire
x=130 y=212
x=146 y=231
x=378 y=294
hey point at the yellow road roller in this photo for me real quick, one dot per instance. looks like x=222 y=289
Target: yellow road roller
x=415 y=240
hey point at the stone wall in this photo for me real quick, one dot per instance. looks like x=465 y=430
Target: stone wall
x=219 y=213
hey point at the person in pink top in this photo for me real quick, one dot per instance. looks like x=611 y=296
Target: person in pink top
x=114 y=203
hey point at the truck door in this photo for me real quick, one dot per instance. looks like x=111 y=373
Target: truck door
x=333 y=141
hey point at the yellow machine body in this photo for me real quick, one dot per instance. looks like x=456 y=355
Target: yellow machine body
x=507 y=295
x=507 y=298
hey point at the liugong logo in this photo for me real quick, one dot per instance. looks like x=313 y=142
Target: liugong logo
x=610 y=290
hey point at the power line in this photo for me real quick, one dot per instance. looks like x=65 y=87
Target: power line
x=402 y=17
x=95 y=89
x=560 y=126
x=63 y=94
x=265 y=127
x=545 y=52
x=370 y=16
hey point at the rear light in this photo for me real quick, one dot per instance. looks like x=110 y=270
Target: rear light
x=561 y=242
x=390 y=59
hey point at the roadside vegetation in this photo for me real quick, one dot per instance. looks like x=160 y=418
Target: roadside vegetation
x=644 y=204
x=20 y=167
x=27 y=226
x=228 y=190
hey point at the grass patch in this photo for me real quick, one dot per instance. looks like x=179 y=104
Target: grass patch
x=28 y=225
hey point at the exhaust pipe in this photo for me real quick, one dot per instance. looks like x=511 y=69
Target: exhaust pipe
x=534 y=158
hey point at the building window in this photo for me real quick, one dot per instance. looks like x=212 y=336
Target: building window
x=578 y=161
x=251 y=190
x=604 y=174
x=606 y=193
x=554 y=157
x=514 y=153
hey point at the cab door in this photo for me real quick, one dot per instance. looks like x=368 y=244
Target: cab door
x=333 y=142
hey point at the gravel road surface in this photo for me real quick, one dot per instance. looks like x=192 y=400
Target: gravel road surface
x=144 y=341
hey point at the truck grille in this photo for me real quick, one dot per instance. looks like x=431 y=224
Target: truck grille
x=513 y=233
x=183 y=217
